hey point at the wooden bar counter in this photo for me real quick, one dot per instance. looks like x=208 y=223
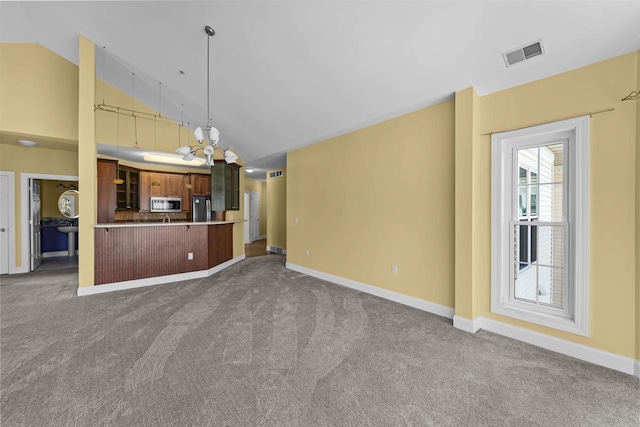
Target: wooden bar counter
x=132 y=251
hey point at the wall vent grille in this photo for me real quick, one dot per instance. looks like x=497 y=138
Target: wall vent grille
x=523 y=53
x=276 y=174
x=276 y=249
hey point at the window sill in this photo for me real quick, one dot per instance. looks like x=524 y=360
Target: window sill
x=543 y=319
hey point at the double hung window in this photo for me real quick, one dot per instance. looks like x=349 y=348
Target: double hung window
x=540 y=224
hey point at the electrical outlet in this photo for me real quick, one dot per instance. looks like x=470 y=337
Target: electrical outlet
x=306 y=252
x=394 y=269
x=296 y=220
x=190 y=256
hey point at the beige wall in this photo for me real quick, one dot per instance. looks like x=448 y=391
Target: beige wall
x=277 y=209
x=378 y=197
x=612 y=279
x=255 y=186
x=39 y=92
x=49 y=194
x=121 y=130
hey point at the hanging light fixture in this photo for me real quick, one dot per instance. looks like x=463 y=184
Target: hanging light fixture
x=209 y=132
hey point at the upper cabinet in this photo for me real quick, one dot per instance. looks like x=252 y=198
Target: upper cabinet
x=200 y=184
x=225 y=187
x=163 y=184
x=106 y=190
x=128 y=193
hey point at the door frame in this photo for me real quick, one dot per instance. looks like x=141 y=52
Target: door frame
x=24 y=212
x=247 y=217
x=11 y=220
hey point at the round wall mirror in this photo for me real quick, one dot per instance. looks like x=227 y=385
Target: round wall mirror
x=68 y=203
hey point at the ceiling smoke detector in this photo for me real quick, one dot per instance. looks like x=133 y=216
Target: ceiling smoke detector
x=523 y=53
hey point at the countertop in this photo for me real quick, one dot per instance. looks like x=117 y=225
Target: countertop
x=163 y=224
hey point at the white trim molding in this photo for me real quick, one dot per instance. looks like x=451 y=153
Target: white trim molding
x=56 y=254
x=588 y=354
x=152 y=281
x=11 y=206
x=420 y=304
x=465 y=324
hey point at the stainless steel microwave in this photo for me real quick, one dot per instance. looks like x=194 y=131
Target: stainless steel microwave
x=166 y=204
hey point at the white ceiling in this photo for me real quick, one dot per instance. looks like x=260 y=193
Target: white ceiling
x=287 y=74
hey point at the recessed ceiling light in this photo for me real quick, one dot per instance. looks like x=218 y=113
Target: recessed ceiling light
x=249 y=170
x=26 y=143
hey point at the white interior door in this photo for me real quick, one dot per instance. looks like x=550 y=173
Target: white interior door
x=255 y=216
x=247 y=221
x=4 y=224
x=34 y=223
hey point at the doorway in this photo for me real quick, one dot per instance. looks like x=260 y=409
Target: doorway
x=247 y=220
x=31 y=229
x=255 y=216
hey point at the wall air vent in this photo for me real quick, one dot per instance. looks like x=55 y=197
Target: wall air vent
x=523 y=53
x=276 y=174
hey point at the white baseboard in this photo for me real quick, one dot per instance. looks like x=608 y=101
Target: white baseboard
x=589 y=354
x=272 y=249
x=55 y=254
x=220 y=267
x=258 y=238
x=465 y=324
x=420 y=304
x=19 y=270
x=152 y=281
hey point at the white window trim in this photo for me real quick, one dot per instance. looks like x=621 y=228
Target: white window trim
x=577 y=161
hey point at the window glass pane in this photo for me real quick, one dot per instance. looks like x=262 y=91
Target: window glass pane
x=550 y=286
x=533 y=244
x=534 y=178
x=551 y=161
x=523 y=176
x=550 y=247
x=525 y=285
x=533 y=206
x=522 y=241
x=522 y=202
x=549 y=202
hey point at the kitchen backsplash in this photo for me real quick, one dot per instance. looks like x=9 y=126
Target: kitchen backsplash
x=129 y=216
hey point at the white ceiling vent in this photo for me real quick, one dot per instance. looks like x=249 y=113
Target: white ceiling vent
x=524 y=52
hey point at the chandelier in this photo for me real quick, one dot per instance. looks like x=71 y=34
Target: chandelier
x=209 y=132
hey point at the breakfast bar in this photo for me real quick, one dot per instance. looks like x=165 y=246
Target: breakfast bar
x=128 y=253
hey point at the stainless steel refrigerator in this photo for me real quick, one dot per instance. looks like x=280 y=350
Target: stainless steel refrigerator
x=201 y=208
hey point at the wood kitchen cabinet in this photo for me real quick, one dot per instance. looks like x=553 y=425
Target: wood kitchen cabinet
x=201 y=184
x=163 y=184
x=107 y=170
x=128 y=193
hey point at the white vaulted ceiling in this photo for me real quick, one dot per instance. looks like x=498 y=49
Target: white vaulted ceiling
x=288 y=74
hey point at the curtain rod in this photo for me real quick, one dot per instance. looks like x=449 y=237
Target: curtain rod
x=566 y=118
